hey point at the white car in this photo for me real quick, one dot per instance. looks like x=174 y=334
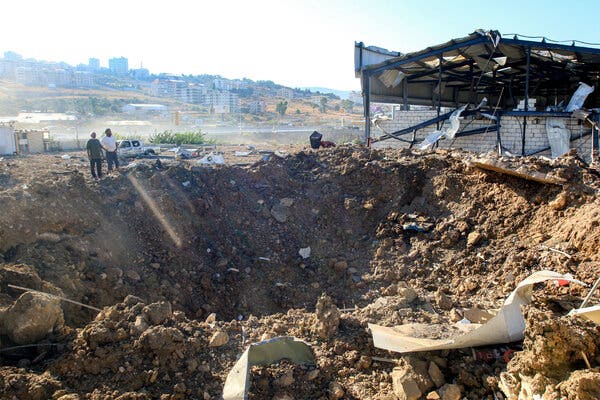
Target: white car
x=135 y=148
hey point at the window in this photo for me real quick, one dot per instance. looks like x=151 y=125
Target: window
x=135 y=143
x=125 y=143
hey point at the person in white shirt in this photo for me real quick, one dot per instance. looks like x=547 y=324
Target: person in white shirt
x=109 y=144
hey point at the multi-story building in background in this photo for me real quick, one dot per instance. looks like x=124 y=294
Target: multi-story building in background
x=286 y=93
x=94 y=64
x=118 y=66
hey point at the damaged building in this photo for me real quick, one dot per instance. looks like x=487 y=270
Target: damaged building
x=485 y=92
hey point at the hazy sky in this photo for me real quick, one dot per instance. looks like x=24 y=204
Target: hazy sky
x=295 y=43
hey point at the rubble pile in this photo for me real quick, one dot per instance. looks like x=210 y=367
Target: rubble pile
x=183 y=266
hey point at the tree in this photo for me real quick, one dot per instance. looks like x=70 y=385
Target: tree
x=281 y=107
x=348 y=105
x=323 y=104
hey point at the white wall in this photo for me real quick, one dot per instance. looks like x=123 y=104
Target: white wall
x=7 y=141
x=511 y=128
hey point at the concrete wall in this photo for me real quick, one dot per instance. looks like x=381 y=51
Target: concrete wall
x=511 y=128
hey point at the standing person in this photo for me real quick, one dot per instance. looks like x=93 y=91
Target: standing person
x=94 y=152
x=109 y=143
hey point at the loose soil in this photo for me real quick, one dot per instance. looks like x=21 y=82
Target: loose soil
x=394 y=237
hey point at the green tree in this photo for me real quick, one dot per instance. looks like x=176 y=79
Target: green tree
x=323 y=106
x=281 y=107
x=348 y=105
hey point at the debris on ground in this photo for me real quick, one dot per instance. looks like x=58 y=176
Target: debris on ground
x=187 y=277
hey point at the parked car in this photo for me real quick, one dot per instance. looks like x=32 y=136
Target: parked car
x=135 y=148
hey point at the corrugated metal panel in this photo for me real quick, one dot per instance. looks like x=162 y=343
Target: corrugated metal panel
x=370 y=56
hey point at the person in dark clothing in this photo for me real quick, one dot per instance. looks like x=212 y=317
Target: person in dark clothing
x=94 y=152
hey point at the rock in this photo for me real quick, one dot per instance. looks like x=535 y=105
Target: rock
x=286 y=202
x=132 y=300
x=455 y=315
x=140 y=324
x=31 y=318
x=304 y=252
x=405 y=387
x=560 y=202
x=158 y=313
x=433 y=396
x=286 y=379
x=442 y=300
x=336 y=391
x=212 y=317
x=155 y=265
x=450 y=392
x=312 y=374
x=474 y=238
x=364 y=362
x=340 y=266
x=280 y=213
x=407 y=293
x=328 y=317
x=133 y=275
x=219 y=338
x=436 y=375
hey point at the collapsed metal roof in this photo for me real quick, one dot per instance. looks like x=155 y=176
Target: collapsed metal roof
x=482 y=64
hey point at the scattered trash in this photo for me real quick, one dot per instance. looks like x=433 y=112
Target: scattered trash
x=264 y=353
x=413 y=226
x=304 y=252
x=507 y=326
x=592 y=313
x=242 y=153
x=186 y=183
x=315 y=140
x=449 y=133
x=264 y=258
x=212 y=158
x=65 y=157
x=578 y=98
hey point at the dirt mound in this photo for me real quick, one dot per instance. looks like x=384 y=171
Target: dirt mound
x=391 y=237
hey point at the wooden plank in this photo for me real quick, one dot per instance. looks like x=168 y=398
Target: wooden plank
x=520 y=172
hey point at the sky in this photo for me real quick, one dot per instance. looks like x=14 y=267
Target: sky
x=298 y=43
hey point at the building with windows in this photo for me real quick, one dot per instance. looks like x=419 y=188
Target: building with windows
x=118 y=66
x=94 y=64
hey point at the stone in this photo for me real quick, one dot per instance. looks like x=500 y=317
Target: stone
x=455 y=315
x=405 y=387
x=340 y=266
x=70 y=396
x=328 y=317
x=336 y=391
x=560 y=202
x=312 y=374
x=133 y=275
x=140 y=324
x=304 y=252
x=474 y=238
x=433 y=396
x=158 y=313
x=442 y=300
x=436 y=375
x=450 y=392
x=286 y=379
x=155 y=265
x=219 y=338
x=31 y=318
x=212 y=318
x=286 y=202
x=407 y=293
x=280 y=213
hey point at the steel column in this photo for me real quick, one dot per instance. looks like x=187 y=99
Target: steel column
x=367 y=105
x=439 y=105
x=528 y=55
